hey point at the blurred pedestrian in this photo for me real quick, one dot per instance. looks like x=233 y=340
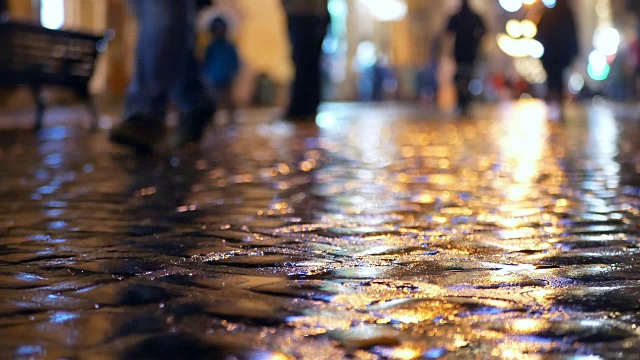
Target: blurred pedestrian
x=557 y=33
x=428 y=83
x=221 y=65
x=165 y=69
x=308 y=21
x=467 y=28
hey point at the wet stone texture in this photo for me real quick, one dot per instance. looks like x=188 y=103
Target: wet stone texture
x=383 y=234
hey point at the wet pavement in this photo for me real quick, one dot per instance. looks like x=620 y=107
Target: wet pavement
x=387 y=233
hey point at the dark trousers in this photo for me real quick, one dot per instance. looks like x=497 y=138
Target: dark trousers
x=555 y=84
x=463 y=77
x=306 y=34
x=165 y=68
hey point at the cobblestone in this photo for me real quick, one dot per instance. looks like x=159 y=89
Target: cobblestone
x=388 y=233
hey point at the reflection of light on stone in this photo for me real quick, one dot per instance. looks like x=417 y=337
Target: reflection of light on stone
x=280 y=357
x=405 y=352
x=602 y=145
x=523 y=144
x=525 y=326
x=519 y=47
x=387 y=10
x=425 y=199
x=511 y=5
x=518 y=267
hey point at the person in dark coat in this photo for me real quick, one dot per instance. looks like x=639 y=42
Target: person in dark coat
x=557 y=33
x=307 y=21
x=468 y=28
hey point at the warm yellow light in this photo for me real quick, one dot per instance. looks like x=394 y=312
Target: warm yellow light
x=525 y=326
x=514 y=29
x=519 y=47
x=529 y=28
x=528 y=2
x=405 y=353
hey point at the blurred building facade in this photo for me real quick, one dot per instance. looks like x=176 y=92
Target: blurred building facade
x=394 y=38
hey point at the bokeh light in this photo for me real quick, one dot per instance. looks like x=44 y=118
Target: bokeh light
x=520 y=47
x=598 y=68
x=387 y=10
x=606 y=40
x=514 y=29
x=576 y=83
x=52 y=14
x=529 y=28
x=530 y=69
x=511 y=5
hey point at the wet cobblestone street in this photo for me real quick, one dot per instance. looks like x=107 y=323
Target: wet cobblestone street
x=383 y=234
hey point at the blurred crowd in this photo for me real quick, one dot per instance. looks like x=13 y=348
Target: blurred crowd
x=189 y=56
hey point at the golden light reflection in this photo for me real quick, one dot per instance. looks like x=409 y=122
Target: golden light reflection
x=525 y=326
x=283 y=169
x=424 y=199
x=523 y=144
x=405 y=353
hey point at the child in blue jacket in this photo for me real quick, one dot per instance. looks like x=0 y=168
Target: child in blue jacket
x=221 y=65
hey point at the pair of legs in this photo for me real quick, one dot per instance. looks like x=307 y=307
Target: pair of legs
x=463 y=77
x=555 y=89
x=165 y=70
x=306 y=34
x=223 y=95
x=555 y=85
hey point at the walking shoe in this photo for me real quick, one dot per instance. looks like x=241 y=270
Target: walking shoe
x=191 y=127
x=138 y=132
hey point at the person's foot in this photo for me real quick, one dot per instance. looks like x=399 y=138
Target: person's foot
x=139 y=132
x=191 y=127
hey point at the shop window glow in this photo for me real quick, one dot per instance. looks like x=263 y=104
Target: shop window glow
x=387 y=10
x=52 y=13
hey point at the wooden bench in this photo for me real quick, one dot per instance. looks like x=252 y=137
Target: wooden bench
x=37 y=57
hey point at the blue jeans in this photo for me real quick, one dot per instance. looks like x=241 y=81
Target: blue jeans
x=165 y=67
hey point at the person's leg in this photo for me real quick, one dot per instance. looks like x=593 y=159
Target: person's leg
x=192 y=99
x=316 y=38
x=554 y=90
x=164 y=66
x=554 y=83
x=229 y=104
x=298 y=44
x=162 y=29
x=464 y=73
x=162 y=53
x=306 y=34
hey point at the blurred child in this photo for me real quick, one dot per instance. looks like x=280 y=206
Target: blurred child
x=221 y=65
